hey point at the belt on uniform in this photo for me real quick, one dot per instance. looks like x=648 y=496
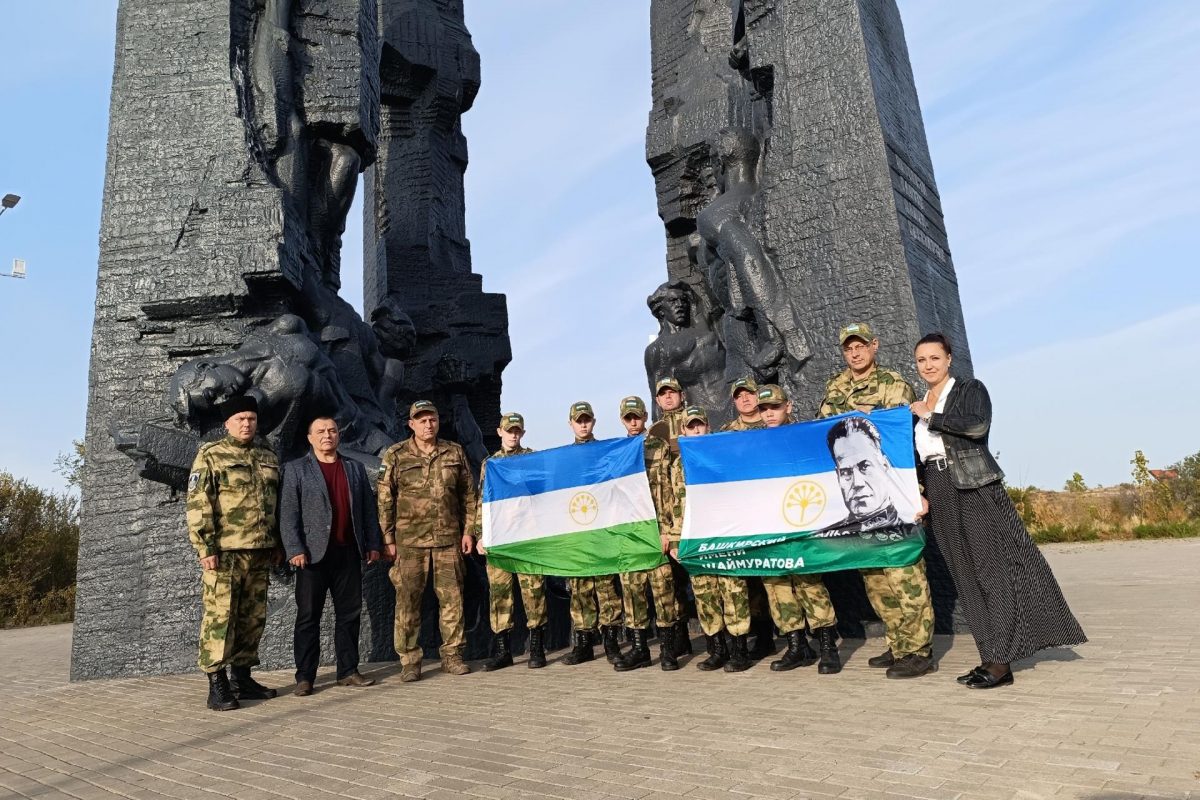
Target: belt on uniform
x=938 y=462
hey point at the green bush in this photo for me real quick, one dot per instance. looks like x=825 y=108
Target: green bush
x=39 y=540
x=1168 y=530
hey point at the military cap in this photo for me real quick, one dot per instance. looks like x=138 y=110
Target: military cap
x=771 y=395
x=860 y=329
x=667 y=383
x=511 y=420
x=421 y=407
x=743 y=383
x=582 y=408
x=694 y=412
x=236 y=405
x=633 y=405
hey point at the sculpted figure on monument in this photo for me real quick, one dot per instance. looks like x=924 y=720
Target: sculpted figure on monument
x=688 y=347
x=755 y=294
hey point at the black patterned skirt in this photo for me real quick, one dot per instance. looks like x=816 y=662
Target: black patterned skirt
x=1011 y=601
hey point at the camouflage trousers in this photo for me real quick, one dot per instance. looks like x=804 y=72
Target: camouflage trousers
x=722 y=603
x=594 y=600
x=900 y=596
x=794 y=598
x=409 y=574
x=235 y=609
x=500 y=599
x=661 y=584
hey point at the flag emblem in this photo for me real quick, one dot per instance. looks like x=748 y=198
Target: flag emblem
x=583 y=508
x=803 y=503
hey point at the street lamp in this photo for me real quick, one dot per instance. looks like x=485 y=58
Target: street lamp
x=8 y=201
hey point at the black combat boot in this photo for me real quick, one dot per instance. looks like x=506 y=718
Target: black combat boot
x=831 y=662
x=582 y=650
x=739 y=658
x=220 y=693
x=612 y=642
x=638 y=655
x=537 y=648
x=668 y=648
x=764 y=637
x=798 y=653
x=718 y=653
x=245 y=687
x=913 y=665
x=503 y=654
x=883 y=660
x=683 y=639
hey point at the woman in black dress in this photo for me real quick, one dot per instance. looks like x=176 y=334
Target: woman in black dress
x=1007 y=592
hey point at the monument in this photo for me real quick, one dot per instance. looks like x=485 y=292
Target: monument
x=238 y=132
x=797 y=193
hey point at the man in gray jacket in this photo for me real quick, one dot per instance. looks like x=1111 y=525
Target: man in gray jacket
x=329 y=526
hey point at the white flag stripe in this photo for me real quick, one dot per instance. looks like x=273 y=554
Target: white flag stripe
x=522 y=519
x=779 y=505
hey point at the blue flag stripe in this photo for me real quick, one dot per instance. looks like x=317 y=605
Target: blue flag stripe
x=799 y=449
x=563 y=468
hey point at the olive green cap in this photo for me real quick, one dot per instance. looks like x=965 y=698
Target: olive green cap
x=421 y=407
x=694 y=412
x=511 y=420
x=856 y=329
x=633 y=405
x=667 y=383
x=743 y=383
x=771 y=395
x=580 y=409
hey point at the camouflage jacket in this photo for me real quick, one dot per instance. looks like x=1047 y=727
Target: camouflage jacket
x=669 y=426
x=883 y=388
x=477 y=528
x=659 y=458
x=675 y=493
x=233 y=497
x=426 y=500
x=736 y=424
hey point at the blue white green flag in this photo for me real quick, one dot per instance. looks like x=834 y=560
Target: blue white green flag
x=574 y=511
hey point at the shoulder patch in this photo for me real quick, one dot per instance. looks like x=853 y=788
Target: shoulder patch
x=193 y=482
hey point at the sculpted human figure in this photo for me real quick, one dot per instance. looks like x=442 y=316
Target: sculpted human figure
x=757 y=296
x=687 y=346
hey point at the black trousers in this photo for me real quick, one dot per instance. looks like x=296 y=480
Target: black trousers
x=339 y=574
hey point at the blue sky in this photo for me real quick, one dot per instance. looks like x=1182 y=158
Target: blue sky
x=1063 y=135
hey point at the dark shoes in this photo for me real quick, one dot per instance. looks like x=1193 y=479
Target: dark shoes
x=986 y=680
x=798 y=653
x=668 y=648
x=971 y=674
x=638 y=655
x=884 y=659
x=718 y=653
x=739 y=658
x=763 y=630
x=303 y=688
x=611 y=634
x=220 y=693
x=246 y=688
x=582 y=650
x=683 y=639
x=913 y=665
x=354 y=679
x=830 y=662
x=503 y=656
x=537 y=648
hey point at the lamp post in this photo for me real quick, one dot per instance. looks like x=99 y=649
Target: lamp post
x=8 y=201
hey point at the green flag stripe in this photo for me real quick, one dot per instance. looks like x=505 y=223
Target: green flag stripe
x=630 y=547
x=785 y=554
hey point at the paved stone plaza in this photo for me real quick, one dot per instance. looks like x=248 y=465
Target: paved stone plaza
x=1119 y=719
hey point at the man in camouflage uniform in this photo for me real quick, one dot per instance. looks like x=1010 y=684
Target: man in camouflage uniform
x=744 y=392
x=793 y=599
x=658 y=580
x=233 y=492
x=427 y=509
x=593 y=600
x=722 y=602
x=500 y=582
x=899 y=595
x=668 y=396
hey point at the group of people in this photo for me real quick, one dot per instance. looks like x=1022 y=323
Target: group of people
x=423 y=517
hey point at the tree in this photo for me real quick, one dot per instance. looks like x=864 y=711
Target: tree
x=39 y=540
x=1185 y=489
x=70 y=465
x=1141 y=470
x=1075 y=484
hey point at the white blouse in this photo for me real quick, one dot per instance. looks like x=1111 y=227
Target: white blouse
x=929 y=443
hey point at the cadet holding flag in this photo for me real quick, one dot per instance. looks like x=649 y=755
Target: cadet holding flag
x=745 y=400
x=232 y=523
x=658 y=580
x=500 y=582
x=899 y=595
x=427 y=509
x=668 y=396
x=593 y=600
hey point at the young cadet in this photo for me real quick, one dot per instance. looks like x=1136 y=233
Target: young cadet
x=593 y=600
x=722 y=602
x=668 y=396
x=659 y=580
x=793 y=598
x=899 y=595
x=745 y=400
x=500 y=582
